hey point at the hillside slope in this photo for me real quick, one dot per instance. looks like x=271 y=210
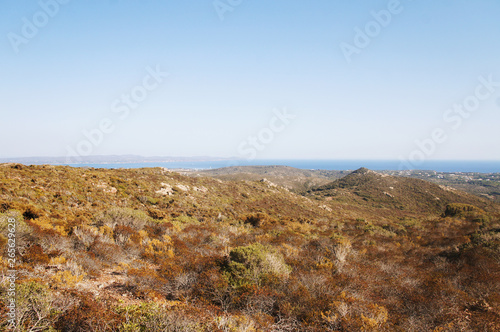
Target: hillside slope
x=159 y=192
x=152 y=250
x=368 y=187
x=288 y=177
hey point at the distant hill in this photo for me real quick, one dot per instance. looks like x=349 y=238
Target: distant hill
x=486 y=185
x=104 y=159
x=364 y=185
x=288 y=177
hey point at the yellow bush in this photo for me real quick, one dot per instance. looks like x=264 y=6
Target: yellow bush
x=325 y=263
x=3 y=241
x=329 y=318
x=57 y=260
x=289 y=250
x=45 y=223
x=263 y=238
x=302 y=228
x=66 y=279
x=378 y=316
x=123 y=266
x=156 y=249
x=447 y=327
x=106 y=231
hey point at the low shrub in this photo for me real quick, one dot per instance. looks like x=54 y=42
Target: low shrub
x=36 y=307
x=253 y=264
x=89 y=315
x=465 y=211
x=135 y=219
x=107 y=252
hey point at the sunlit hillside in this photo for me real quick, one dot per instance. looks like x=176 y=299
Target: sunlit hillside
x=153 y=250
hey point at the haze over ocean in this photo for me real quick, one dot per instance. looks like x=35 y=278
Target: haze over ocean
x=434 y=165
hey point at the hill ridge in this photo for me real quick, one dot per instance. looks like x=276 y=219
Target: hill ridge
x=395 y=192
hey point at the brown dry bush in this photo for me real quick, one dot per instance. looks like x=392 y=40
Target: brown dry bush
x=89 y=315
x=89 y=262
x=257 y=300
x=158 y=229
x=122 y=234
x=35 y=255
x=53 y=240
x=146 y=280
x=83 y=236
x=427 y=272
x=214 y=287
x=156 y=214
x=107 y=252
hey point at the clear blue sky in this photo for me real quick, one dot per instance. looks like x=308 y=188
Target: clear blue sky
x=227 y=76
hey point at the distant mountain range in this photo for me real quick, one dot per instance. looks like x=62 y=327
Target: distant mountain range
x=105 y=159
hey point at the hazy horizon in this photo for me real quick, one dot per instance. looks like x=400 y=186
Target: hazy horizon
x=236 y=158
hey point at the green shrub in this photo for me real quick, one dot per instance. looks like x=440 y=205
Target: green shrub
x=134 y=219
x=183 y=219
x=151 y=317
x=467 y=212
x=253 y=264
x=459 y=209
x=35 y=307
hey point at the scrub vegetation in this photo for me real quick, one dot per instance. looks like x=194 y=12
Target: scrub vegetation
x=153 y=250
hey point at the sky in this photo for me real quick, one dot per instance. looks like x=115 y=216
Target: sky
x=281 y=79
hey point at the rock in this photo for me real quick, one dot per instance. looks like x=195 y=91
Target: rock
x=269 y=183
x=166 y=190
x=182 y=187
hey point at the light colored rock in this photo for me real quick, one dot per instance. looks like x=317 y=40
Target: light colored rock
x=325 y=207
x=110 y=190
x=200 y=189
x=447 y=188
x=165 y=190
x=269 y=183
x=182 y=187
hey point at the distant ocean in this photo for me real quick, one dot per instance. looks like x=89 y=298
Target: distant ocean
x=433 y=165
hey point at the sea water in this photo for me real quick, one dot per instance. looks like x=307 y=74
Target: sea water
x=433 y=165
